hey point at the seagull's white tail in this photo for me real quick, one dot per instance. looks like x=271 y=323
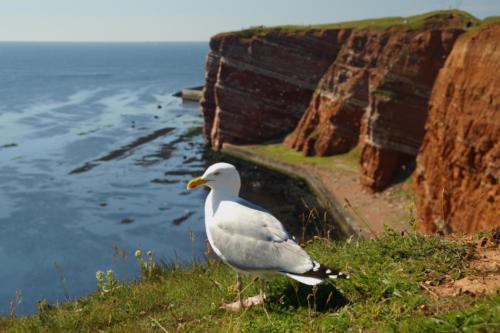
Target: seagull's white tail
x=311 y=281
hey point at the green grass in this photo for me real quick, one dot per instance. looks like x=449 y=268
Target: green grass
x=410 y=22
x=490 y=20
x=384 y=93
x=487 y=21
x=404 y=190
x=347 y=162
x=383 y=294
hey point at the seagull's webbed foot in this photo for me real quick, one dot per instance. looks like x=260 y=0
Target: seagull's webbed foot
x=245 y=303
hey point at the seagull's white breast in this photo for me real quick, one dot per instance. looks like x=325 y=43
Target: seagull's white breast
x=209 y=218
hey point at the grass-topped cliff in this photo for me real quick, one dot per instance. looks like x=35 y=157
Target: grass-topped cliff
x=396 y=286
x=434 y=18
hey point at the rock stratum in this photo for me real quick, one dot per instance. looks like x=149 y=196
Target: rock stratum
x=458 y=168
x=257 y=87
x=376 y=95
x=327 y=89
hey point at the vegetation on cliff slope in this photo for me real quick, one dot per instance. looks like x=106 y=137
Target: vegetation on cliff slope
x=347 y=162
x=388 y=291
x=489 y=20
x=410 y=22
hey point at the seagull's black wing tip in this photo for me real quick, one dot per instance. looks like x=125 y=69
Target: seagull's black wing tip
x=323 y=272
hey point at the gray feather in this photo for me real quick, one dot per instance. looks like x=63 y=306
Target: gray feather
x=251 y=239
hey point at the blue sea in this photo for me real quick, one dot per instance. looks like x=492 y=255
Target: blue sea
x=68 y=105
x=95 y=154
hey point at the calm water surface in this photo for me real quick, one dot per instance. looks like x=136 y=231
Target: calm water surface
x=92 y=168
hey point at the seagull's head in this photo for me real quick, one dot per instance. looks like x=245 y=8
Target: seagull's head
x=219 y=176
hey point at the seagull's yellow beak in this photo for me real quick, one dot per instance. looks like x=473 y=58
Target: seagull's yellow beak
x=196 y=182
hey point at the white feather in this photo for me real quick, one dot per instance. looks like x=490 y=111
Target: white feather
x=311 y=281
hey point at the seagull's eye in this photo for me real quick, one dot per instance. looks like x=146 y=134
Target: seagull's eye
x=216 y=173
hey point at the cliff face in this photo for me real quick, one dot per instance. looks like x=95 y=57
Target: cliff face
x=258 y=86
x=373 y=85
x=376 y=91
x=459 y=163
x=398 y=104
x=331 y=122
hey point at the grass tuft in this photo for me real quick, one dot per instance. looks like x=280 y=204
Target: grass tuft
x=346 y=162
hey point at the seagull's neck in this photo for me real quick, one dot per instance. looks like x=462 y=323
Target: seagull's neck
x=215 y=197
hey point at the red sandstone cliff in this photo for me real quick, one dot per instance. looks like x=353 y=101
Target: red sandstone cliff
x=334 y=88
x=383 y=79
x=459 y=163
x=258 y=85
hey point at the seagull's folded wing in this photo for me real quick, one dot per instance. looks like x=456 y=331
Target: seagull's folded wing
x=251 y=239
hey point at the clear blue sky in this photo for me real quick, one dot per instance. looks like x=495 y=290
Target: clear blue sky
x=194 y=20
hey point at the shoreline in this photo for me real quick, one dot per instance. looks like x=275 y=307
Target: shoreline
x=357 y=213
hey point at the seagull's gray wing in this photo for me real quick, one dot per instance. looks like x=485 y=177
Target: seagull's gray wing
x=251 y=239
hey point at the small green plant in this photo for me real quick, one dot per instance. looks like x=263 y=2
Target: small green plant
x=147 y=265
x=106 y=282
x=18 y=300
x=412 y=219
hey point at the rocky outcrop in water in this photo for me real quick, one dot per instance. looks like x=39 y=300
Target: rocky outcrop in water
x=458 y=167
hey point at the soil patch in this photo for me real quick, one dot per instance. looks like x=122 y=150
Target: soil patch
x=482 y=272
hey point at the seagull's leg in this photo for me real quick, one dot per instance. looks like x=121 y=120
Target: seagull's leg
x=236 y=306
x=248 y=301
x=257 y=299
x=239 y=287
x=262 y=288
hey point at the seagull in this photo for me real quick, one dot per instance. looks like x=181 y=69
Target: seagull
x=250 y=239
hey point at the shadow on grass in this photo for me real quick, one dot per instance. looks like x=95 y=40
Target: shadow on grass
x=321 y=298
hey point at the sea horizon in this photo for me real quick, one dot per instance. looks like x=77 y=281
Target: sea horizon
x=103 y=42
